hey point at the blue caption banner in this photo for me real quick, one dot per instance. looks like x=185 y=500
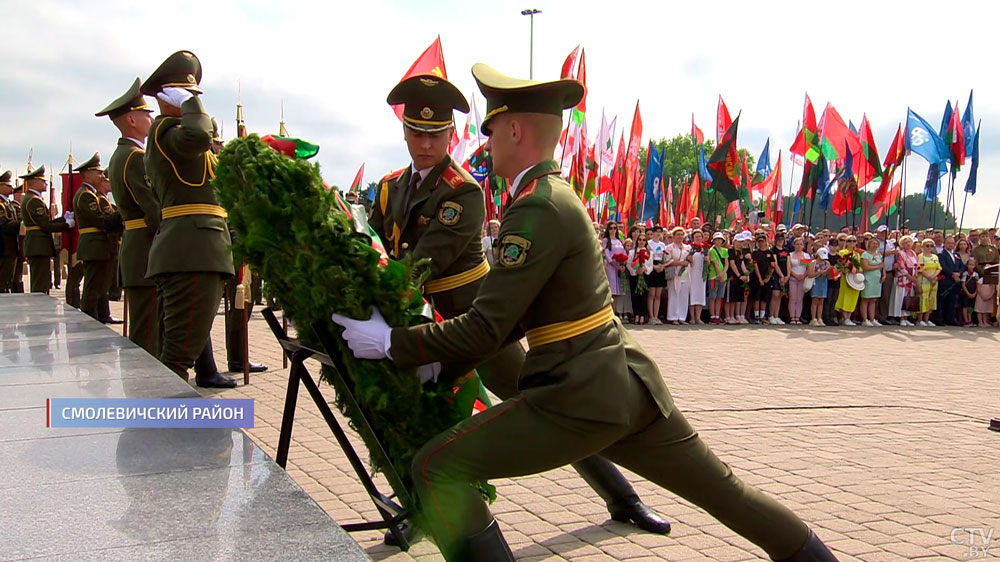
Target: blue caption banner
x=150 y=412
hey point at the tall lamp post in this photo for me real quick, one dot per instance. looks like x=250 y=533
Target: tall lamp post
x=531 y=52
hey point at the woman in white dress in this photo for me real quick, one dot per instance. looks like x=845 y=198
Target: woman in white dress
x=677 y=256
x=698 y=285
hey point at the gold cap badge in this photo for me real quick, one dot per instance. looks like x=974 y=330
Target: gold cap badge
x=427 y=113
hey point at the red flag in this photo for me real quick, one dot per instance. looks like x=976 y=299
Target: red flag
x=888 y=203
x=722 y=120
x=567 y=67
x=772 y=184
x=897 y=150
x=632 y=163
x=431 y=61
x=699 y=137
x=867 y=167
x=356 y=184
x=581 y=76
x=694 y=206
x=956 y=138
x=71 y=183
x=807 y=136
x=834 y=133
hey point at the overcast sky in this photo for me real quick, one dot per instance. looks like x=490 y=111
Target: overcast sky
x=333 y=64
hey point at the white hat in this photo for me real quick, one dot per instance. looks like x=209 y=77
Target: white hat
x=744 y=236
x=718 y=236
x=798 y=225
x=856 y=281
x=781 y=228
x=823 y=253
x=882 y=228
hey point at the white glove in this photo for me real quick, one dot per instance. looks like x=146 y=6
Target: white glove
x=368 y=339
x=174 y=96
x=428 y=372
x=70 y=218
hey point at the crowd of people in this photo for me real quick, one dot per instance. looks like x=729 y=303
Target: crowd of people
x=768 y=274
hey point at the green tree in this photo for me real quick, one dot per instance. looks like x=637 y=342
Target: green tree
x=914 y=212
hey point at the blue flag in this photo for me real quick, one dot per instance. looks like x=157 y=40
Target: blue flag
x=703 y=166
x=764 y=163
x=853 y=128
x=970 y=185
x=932 y=187
x=945 y=120
x=654 y=180
x=969 y=129
x=824 y=183
x=921 y=138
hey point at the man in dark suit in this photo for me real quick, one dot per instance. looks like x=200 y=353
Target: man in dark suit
x=948 y=288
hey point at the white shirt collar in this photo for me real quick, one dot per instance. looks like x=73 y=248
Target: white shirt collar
x=89 y=187
x=423 y=173
x=517 y=180
x=38 y=193
x=138 y=142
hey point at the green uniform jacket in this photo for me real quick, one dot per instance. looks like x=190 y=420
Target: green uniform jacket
x=135 y=200
x=180 y=168
x=549 y=270
x=93 y=210
x=10 y=227
x=443 y=220
x=38 y=243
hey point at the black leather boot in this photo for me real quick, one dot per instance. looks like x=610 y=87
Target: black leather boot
x=623 y=502
x=407 y=529
x=812 y=551
x=207 y=374
x=487 y=545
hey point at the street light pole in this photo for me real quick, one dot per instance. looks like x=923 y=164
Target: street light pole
x=531 y=52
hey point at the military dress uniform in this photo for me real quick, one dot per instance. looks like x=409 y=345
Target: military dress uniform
x=39 y=226
x=10 y=228
x=140 y=211
x=586 y=386
x=440 y=217
x=190 y=255
x=96 y=221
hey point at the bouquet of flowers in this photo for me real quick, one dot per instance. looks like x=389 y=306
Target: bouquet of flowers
x=621 y=259
x=309 y=248
x=850 y=262
x=640 y=258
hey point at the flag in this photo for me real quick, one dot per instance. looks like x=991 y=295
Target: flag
x=955 y=141
x=970 y=184
x=431 y=61
x=889 y=202
x=606 y=139
x=932 y=187
x=694 y=204
x=654 y=181
x=772 y=184
x=746 y=197
x=356 y=184
x=668 y=203
x=292 y=147
x=806 y=144
x=723 y=163
x=703 y=165
x=632 y=163
x=581 y=77
x=696 y=134
x=618 y=174
x=867 y=167
x=722 y=120
x=968 y=125
x=764 y=163
x=458 y=153
x=834 y=135
x=569 y=64
x=847 y=186
x=893 y=159
x=922 y=139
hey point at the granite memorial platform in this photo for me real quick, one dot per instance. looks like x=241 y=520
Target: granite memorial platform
x=107 y=494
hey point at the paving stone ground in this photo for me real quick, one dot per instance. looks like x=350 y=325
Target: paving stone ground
x=876 y=437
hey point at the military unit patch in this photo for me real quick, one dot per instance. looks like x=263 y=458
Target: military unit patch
x=513 y=250
x=449 y=213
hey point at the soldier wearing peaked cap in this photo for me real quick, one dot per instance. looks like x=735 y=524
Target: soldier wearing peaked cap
x=10 y=227
x=435 y=209
x=190 y=256
x=586 y=387
x=140 y=212
x=96 y=221
x=39 y=227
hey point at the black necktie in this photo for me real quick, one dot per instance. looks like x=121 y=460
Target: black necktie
x=414 y=180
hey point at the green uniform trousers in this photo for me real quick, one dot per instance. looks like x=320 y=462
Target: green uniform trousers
x=516 y=438
x=7 y=266
x=74 y=275
x=40 y=274
x=189 y=302
x=96 y=281
x=144 y=318
x=234 y=324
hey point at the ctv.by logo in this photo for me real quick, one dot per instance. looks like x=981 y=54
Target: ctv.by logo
x=977 y=540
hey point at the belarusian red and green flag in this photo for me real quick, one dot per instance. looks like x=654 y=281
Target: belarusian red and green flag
x=806 y=144
x=723 y=163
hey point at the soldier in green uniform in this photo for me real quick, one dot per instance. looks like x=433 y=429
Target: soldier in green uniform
x=39 y=227
x=114 y=237
x=434 y=209
x=586 y=387
x=140 y=211
x=10 y=227
x=96 y=220
x=190 y=256
x=18 y=285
